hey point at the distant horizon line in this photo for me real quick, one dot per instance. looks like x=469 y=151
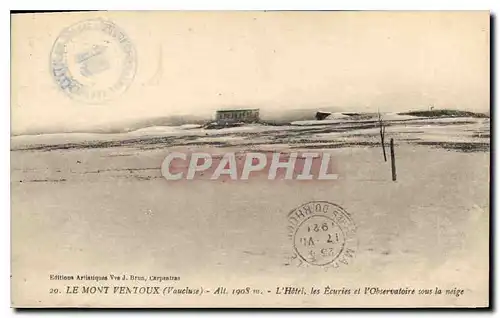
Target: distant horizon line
x=126 y=126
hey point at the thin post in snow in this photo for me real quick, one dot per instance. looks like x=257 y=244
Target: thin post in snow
x=382 y=134
x=393 y=161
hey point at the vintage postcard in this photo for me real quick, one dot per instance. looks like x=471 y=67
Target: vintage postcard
x=250 y=159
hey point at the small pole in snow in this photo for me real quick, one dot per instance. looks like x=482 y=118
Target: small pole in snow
x=393 y=161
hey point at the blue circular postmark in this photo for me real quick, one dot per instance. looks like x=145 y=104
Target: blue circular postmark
x=93 y=61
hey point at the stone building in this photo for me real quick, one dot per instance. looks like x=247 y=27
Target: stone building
x=237 y=115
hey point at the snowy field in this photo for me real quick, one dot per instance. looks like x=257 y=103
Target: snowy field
x=79 y=199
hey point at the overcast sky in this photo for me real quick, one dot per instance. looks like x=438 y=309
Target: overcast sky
x=199 y=62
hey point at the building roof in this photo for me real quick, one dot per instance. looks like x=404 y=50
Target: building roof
x=237 y=110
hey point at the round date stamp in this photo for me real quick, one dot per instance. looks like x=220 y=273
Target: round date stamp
x=93 y=61
x=322 y=234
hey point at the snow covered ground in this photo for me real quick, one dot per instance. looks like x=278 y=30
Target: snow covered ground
x=413 y=130
x=79 y=199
